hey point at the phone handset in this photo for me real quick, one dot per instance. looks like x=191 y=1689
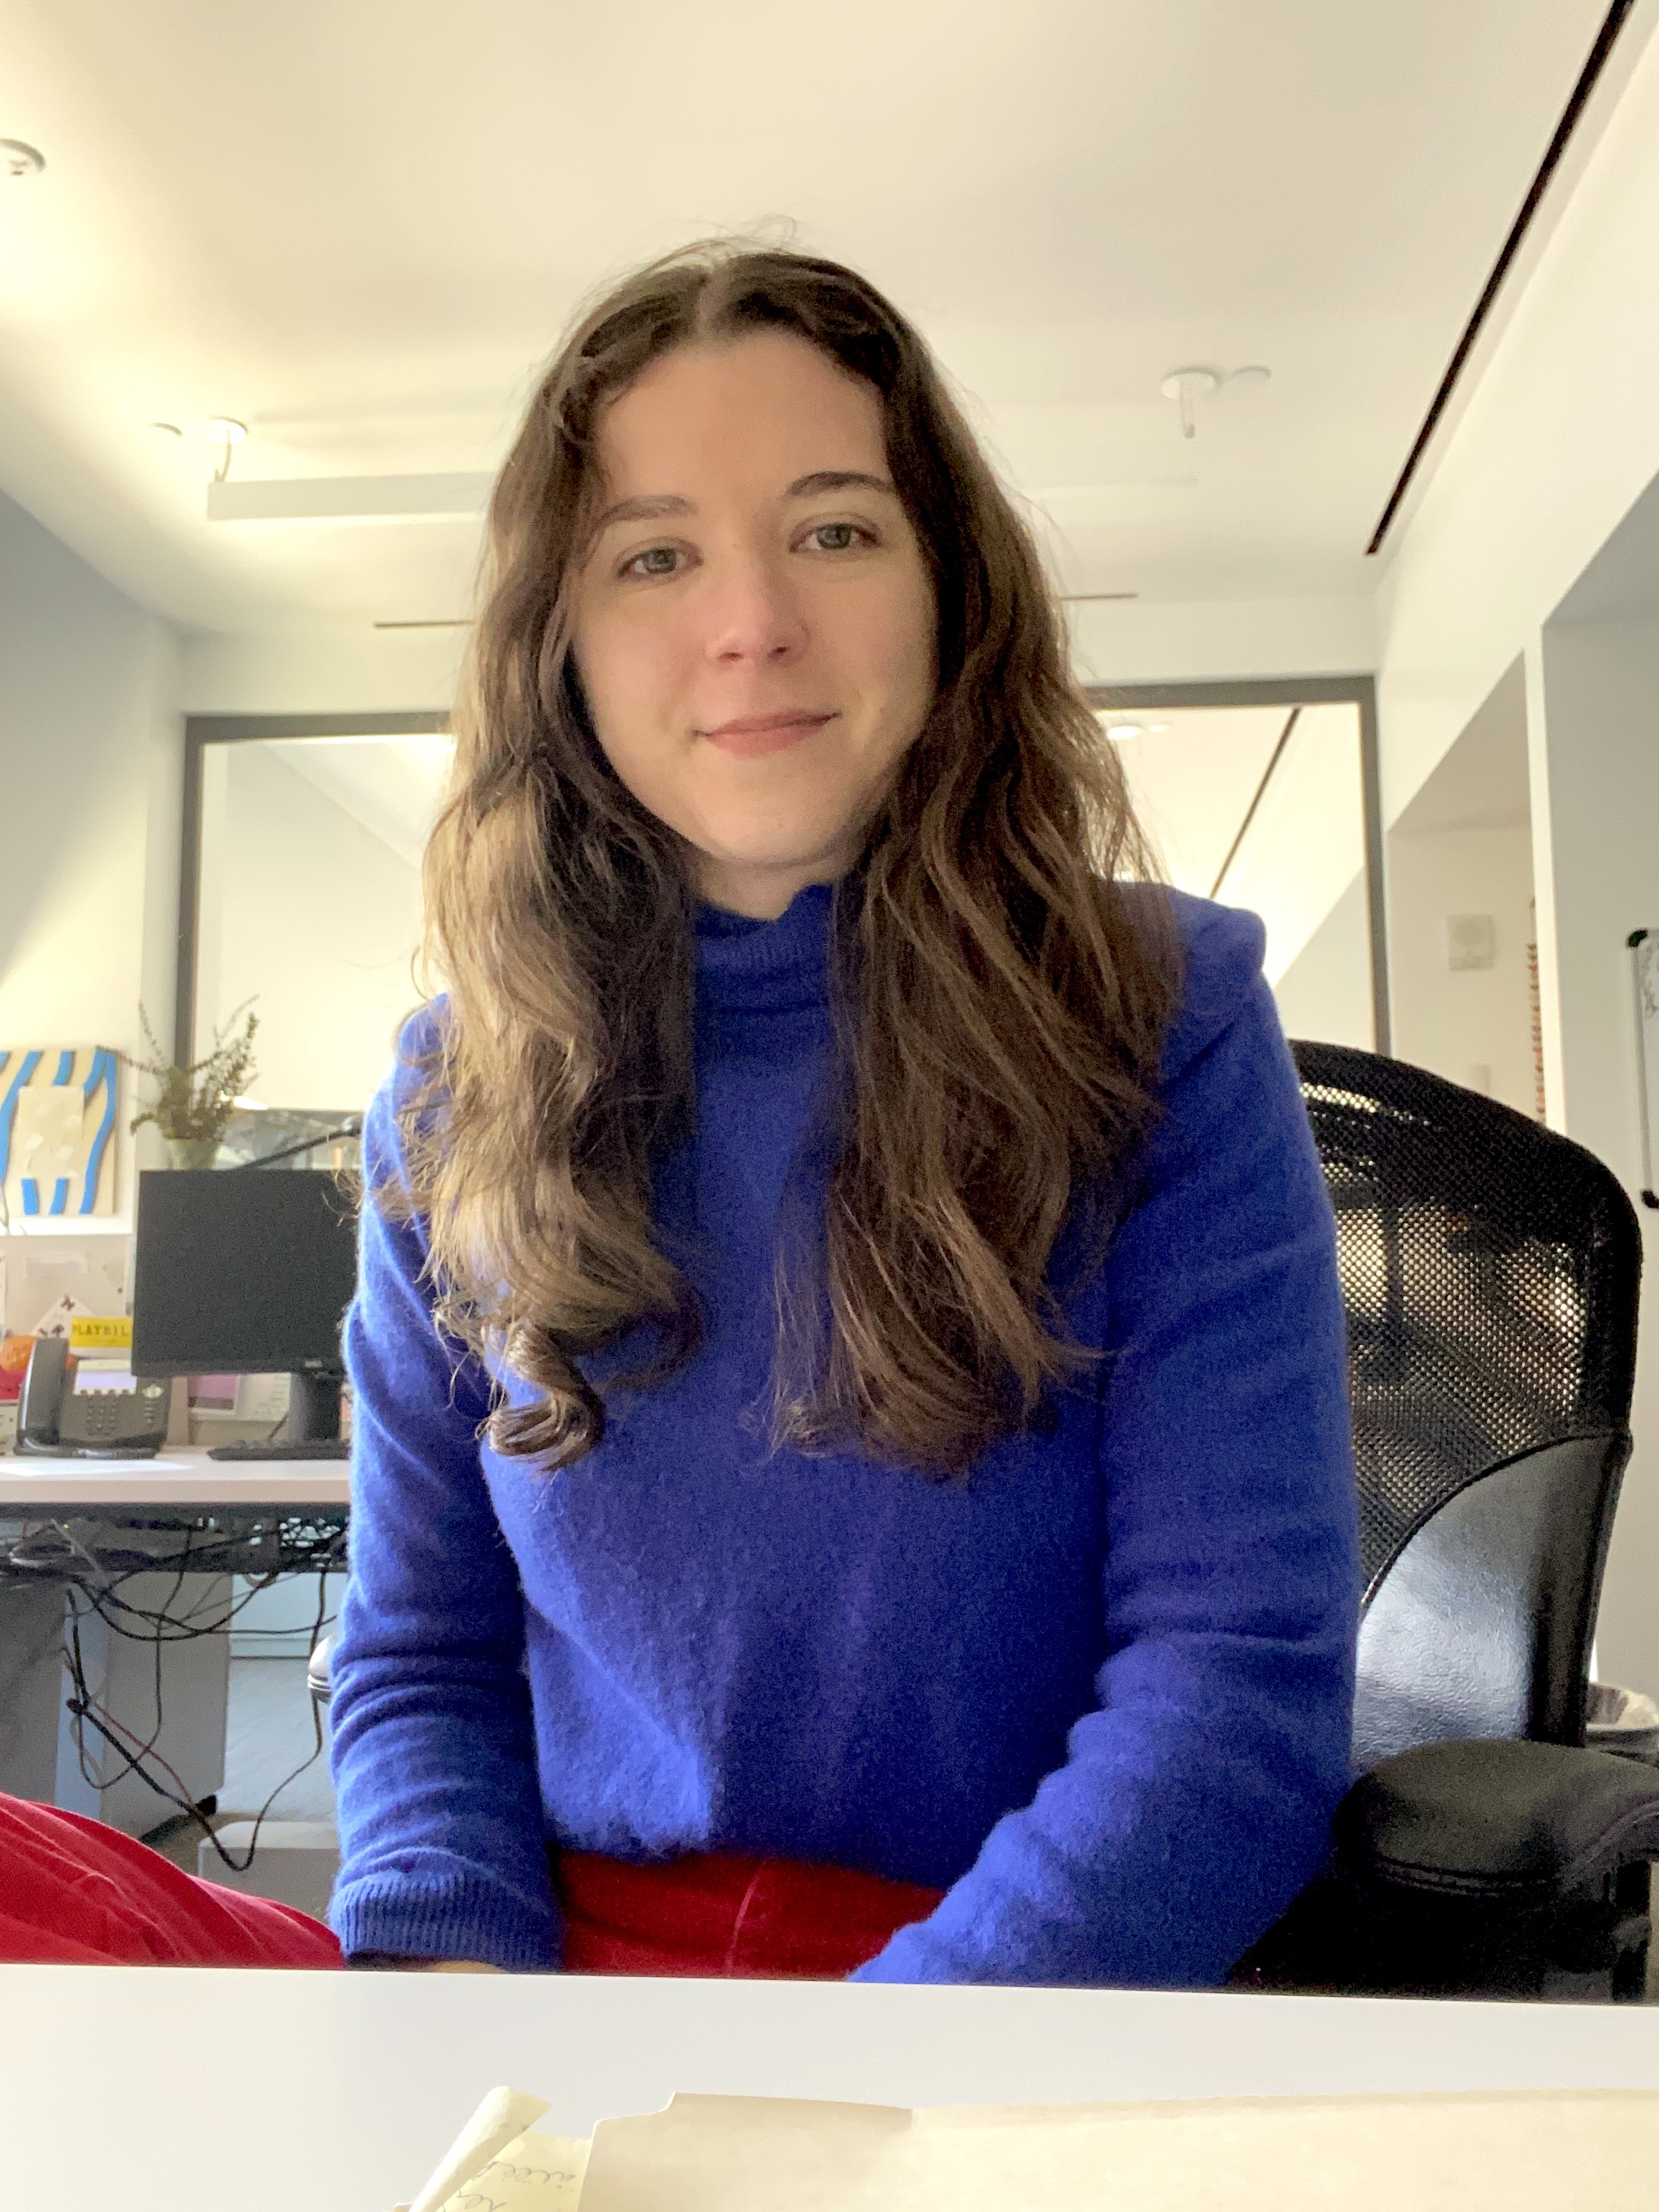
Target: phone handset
x=40 y=1402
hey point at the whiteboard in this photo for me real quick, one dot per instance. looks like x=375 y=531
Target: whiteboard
x=1644 y=985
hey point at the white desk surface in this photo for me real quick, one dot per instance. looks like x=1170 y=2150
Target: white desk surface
x=186 y=2091
x=179 y=1475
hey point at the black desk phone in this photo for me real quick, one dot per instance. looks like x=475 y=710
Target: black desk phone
x=71 y=1408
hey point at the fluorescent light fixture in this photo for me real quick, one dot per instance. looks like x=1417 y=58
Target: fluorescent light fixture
x=1128 y=727
x=348 y=499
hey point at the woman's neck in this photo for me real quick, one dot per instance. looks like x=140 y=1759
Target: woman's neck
x=757 y=891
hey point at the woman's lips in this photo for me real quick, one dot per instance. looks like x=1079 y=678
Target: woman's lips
x=751 y=734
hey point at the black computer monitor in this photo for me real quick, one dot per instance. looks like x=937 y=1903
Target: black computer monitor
x=246 y=1271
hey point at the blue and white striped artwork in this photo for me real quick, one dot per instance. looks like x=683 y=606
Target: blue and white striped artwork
x=57 y=1129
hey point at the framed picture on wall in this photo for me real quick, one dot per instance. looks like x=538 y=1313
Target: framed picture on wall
x=57 y=1109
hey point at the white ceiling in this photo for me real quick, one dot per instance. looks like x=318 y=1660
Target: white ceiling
x=358 y=224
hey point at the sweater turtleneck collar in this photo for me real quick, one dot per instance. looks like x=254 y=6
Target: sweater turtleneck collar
x=757 y=965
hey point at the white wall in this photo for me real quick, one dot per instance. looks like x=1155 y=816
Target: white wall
x=1326 y=992
x=1473 y=1025
x=90 y=767
x=1597 y=693
x=313 y=917
x=1600 y=698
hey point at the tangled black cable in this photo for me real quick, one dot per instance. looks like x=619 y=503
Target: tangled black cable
x=86 y=1712
x=93 y=1575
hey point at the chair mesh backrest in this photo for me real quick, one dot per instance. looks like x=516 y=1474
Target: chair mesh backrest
x=1490 y=1271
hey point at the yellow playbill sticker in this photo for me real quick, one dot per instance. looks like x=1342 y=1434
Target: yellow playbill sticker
x=100 y=1333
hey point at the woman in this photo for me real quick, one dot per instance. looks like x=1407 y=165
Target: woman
x=851 y=1457
x=849 y=1371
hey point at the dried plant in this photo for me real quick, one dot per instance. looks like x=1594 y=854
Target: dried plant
x=196 y=1103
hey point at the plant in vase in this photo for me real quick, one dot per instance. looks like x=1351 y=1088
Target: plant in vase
x=193 y=1105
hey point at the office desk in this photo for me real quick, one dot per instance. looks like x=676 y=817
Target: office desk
x=179 y=1476
x=108 y=1503
x=194 y=2091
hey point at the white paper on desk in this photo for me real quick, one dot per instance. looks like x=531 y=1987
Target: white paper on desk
x=498 y=2163
x=1570 y=2152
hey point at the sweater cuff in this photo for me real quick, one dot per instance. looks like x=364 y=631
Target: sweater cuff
x=470 y=1918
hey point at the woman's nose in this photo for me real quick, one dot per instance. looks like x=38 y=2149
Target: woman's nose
x=753 y=616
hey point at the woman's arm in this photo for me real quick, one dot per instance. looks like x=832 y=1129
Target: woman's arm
x=1196 y=1798
x=442 y=1850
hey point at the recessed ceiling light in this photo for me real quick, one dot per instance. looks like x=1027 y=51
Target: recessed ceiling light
x=20 y=159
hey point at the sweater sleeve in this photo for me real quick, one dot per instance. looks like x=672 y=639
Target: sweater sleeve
x=1195 y=1799
x=441 y=1834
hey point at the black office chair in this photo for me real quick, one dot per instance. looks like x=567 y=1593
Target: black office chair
x=1490 y=1270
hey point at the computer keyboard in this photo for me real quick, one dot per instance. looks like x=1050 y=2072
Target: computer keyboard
x=322 y=1448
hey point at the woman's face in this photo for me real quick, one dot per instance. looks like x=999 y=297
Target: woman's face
x=753 y=621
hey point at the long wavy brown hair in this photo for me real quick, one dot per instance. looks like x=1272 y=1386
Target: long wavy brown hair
x=1001 y=998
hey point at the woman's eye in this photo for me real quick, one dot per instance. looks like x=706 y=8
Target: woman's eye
x=837 y=537
x=655 y=560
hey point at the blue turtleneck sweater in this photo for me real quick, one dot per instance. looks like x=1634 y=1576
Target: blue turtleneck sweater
x=1098 y=1693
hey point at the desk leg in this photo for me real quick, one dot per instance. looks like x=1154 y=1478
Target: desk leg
x=31 y=1686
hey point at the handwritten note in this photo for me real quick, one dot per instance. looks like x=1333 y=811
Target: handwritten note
x=532 y=2173
x=499 y=2163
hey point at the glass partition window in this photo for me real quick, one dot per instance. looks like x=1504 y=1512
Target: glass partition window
x=309 y=905
x=309 y=894
x=1263 y=807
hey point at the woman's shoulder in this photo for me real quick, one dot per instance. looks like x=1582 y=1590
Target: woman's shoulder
x=408 y=1084
x=1222 y=983
x=420 y=1042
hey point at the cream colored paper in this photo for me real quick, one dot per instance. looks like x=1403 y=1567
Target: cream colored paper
x=532 y=2173
x=1570 y=2152
x=503 y=2115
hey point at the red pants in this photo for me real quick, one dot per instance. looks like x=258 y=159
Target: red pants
x=75 y=1892
x=712 y=1914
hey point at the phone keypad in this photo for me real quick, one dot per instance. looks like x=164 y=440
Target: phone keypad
x=121 y=1413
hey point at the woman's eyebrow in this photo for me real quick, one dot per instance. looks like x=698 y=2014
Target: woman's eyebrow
x=654 y=507
x=824 y=480
x=650 y=506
